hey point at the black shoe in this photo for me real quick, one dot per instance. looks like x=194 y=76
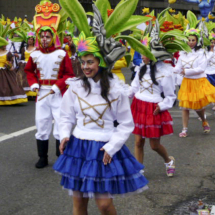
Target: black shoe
x=42 y=148
x=57 y=148
x=42 y=162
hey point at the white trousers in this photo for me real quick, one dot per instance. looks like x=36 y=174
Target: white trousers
x=46 y=110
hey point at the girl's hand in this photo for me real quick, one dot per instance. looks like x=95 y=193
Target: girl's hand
x=157 y=110
x=63 y=144
x=183 y=72
x=107 y=158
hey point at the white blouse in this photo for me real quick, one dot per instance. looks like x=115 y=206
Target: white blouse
x=210 y=69
x=146 y=90
x=194 y=63
x=92 y=116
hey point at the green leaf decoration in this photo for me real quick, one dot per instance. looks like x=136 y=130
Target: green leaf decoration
x=16 y=39
x=120 y=15
x=3 y=42
x=61 y=27
x=161 y=14
x=191 y=17
x=90 y=13
x=77 y=13
x=174 y=33
x=177 y=45
x=63 y=15
x=128 y=59
x=162 y=20
x=152 y=13
x=4 y=34
x=1 y=29
x=133 y=22
x=103 y=6
x=206 y=41
x=137 y=46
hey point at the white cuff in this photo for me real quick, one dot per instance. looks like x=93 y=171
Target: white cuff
x=34 y=86
x=55 y=88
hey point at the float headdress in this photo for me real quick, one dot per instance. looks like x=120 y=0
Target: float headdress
x=100 y=40
x=47 y=20
x=164 y=44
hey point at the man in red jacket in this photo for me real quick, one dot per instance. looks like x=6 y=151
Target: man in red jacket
x=47 y=69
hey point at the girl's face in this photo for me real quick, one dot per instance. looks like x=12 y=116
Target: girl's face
x=212 y=43
x=145 y=59
x=192 y=41
x=31 y=41
x=89 y=65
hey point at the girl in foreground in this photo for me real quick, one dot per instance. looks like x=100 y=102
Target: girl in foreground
x=94 y=161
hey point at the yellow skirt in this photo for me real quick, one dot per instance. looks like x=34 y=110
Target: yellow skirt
x=196 y=93
x=30 y=93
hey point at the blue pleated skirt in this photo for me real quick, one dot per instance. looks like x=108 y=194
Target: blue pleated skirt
x=211 y=78
x=84 y=173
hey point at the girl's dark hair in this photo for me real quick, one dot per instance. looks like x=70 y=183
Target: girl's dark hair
x=104 y=83
x=152 y=72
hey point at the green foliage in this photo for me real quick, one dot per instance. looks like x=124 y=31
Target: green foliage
x=133 y=22
x=103 y=6
x=128 y=58
x=161 y=14
x=120 y=15
x=191 y=17
x=76 y=12
x=137 y=46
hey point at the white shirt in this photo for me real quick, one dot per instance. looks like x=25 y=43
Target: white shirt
x=93 y=117
x=194 y=63
x=146 y=90
x=210 y=69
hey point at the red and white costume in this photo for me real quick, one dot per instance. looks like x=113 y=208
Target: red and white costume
x=147 y=96
x=47 y=69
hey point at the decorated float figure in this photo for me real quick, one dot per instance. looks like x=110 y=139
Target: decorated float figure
x=47 y=69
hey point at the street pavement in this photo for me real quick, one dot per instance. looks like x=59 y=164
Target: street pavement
x=25 y=190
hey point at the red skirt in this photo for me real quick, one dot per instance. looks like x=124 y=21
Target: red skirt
x=148 y=125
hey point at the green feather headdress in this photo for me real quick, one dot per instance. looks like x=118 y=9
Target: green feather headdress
x=87 y=46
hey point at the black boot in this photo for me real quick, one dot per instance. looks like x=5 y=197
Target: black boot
x=42 y=148
x=57 y=148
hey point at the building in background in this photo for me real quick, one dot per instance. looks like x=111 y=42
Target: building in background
x=20 y=8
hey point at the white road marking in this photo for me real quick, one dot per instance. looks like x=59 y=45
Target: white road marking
x=17 y=133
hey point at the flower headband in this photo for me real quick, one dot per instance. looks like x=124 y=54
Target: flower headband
x=30 y=34
x=87 y=46
x=192 y=32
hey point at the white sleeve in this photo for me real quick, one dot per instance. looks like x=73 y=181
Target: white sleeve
x=67 y=114
x=178 y=68
x=124 y=129
x=209 y=55
x=202 y=64
x=135 y=84
x=168 y=88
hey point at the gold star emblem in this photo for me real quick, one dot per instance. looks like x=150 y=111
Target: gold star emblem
x=93 y=113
